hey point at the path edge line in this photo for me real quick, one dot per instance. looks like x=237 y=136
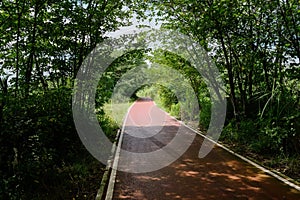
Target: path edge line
x=267 y=171
x=105 y=175
x=113 y=174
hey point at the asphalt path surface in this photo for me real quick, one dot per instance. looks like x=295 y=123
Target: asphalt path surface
x=220 y=175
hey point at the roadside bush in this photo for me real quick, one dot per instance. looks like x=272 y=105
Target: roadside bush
x=42 y=156
x=175 y=110
x=205 y=113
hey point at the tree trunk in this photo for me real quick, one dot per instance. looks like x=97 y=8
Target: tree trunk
x=32 y=52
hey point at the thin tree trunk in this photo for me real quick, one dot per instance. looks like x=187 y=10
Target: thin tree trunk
x=230 y=76
x=32 y=52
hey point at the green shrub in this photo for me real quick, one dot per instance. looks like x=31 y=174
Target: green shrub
x=42 y=156
x=175 y=110
x=205 y=113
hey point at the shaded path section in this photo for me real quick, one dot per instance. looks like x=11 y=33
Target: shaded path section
x=220 y=175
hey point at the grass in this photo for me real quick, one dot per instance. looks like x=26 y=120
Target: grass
x=117 y=112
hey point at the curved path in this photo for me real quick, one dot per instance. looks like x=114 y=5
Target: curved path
x=220 y=175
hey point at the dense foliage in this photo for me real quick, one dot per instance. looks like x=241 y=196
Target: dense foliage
x=43 y=44
x=255 y=45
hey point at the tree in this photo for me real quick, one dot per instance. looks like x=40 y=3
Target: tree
x=43 y=44
x=255 y=45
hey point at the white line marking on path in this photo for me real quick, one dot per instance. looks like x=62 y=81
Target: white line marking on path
x=113 y=175
x=247 y=160
x=110 y=189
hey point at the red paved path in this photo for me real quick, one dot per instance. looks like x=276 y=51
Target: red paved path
x=220 y=175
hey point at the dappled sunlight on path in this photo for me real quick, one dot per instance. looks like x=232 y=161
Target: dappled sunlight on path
x=220 y=175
